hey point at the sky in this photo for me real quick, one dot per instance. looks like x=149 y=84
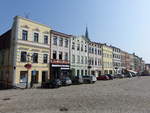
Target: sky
x=121 y=23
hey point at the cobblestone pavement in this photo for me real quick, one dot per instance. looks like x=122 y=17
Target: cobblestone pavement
x=114 y=96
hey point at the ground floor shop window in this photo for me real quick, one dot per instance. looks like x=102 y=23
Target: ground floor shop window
x=23 y=76
x=82 y=72
x=93 y=72
x=1 y=76
x=99 y=73
x=110 y=71
x=106 y=71
x=34 y=78
x=78 y=72
x=44 y=76
x=85 y=72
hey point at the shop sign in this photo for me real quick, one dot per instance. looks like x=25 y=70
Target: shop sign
x=54 y=65
x=28 y=66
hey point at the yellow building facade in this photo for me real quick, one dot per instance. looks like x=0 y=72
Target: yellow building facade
x=107 y=59
x=29 y=47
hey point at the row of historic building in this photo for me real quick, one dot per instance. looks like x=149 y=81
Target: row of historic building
x=31 y=53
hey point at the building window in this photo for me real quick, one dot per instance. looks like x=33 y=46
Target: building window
x=82 y=60
x=89 y=49
x=92 y=50
x=66 y=56
x=36 y=37
x=44 y=76
x=85 y=48
x=23 y=76
x=54 y=40
x=35 y=57
x=82 y=47
x=78 y=72
x=23 y=56
x=98 y=52
x=66 y=42
x=54 y=54
x=78 y=47
x=95 y=51
x=85 y=72
x=92 y=61
x=60 y=41
x=45 y=39
x=85 y=60
x=73 y=45
x=73 y=58
x=45 y=58
x=34 y=77
x=89 y=61
x=82 y=72
x=60 y=55
x=78 y=59
x=1 y=76
x=24 y=35
x=96 y=61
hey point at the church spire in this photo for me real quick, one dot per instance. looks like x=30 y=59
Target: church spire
x=86 y=33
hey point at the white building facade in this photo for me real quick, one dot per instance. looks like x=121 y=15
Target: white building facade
x=79 y=55
x=95 y=58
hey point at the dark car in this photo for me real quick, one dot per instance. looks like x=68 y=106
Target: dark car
x=103 y=77
x=77 y=80
x=55 y=83
x=111 y=77
x=119 y=76
x=66 y=81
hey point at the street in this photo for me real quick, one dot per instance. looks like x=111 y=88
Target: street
x=113 y=96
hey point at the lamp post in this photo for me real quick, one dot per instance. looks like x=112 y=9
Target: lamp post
x=28 y=67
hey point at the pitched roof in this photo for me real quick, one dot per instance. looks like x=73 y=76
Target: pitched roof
x=5 y=40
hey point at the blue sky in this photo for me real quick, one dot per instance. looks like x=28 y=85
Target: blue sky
x=122 y=23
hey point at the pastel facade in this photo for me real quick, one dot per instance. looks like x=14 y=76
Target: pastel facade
x=107 y=58
x=131 y=57
x=123 y=59
x=117 y=60
x=95 y=58
x=60 y=54
x=52 y=54
x=29 y=45
x=79 y=55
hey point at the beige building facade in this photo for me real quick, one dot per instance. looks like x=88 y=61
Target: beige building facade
x=29 y=44
x=107 y=58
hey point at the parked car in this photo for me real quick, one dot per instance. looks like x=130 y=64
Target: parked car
x=133 y=74
x=77 y=80
x=66 y=81
x=89 y=79
x=55 y=83
x=111 y=77
x=119 y=76
x=103 y=77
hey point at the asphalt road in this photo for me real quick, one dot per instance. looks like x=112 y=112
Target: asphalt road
x=114 y=96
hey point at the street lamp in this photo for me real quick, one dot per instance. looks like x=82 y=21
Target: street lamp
x=28 y=67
